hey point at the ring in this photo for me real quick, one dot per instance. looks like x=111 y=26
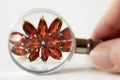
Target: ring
x=41 y=41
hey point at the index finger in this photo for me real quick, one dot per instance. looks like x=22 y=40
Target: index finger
x=109 y=27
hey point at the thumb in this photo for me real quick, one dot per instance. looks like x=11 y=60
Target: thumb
x=106 y=56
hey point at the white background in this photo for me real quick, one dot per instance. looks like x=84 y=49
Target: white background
x=82 y=15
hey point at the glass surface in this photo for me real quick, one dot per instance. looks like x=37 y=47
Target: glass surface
x=41 y=41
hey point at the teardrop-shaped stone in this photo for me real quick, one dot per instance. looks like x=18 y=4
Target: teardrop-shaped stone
x=53 y=41
x=19 y=51
x=42 y=28
x=55 y=26
x=15 y=37
x=44 y=54
x=34 y=55
x=66 y=46
x=66 y=33
x=56 y=53
x=29 y=29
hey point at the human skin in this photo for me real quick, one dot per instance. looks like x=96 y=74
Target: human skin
x=106 y=55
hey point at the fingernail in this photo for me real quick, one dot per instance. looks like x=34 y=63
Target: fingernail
x=101 y=57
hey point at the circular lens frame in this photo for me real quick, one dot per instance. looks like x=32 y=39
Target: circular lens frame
x=43 y=13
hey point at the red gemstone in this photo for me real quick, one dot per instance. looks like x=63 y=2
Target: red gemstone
x=29 y=29
x=34 y=55
x=56 y=53
x=19 y=51
x=66 y=34
x=66 y=46
x=45 y=54
x=32 y=43
x=15 y=37
x=55 y=26
x=42 y=28
x=53 y=41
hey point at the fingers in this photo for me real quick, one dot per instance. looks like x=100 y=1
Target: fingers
x=109 y=27
x=106 y=56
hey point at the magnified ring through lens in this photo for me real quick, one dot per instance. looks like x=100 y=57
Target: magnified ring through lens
x=41 y=41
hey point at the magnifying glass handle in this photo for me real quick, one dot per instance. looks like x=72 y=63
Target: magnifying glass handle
x=84 y=46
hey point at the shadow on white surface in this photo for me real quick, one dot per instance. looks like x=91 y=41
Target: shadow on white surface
x=76 y=70
x=64 y=74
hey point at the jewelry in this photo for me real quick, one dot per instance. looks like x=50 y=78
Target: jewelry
x=41 y=41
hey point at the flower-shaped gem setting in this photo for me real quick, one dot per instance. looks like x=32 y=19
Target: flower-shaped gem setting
x=43 y=41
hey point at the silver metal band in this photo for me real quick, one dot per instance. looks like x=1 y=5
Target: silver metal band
x=84 y=46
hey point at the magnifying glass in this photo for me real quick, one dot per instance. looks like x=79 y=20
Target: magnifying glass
x=41 y=41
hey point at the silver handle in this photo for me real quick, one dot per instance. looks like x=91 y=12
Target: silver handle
x=84 y=46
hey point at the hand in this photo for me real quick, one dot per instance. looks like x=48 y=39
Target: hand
x=106 y=56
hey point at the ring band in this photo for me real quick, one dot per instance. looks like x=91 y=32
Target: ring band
x=84 y=46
